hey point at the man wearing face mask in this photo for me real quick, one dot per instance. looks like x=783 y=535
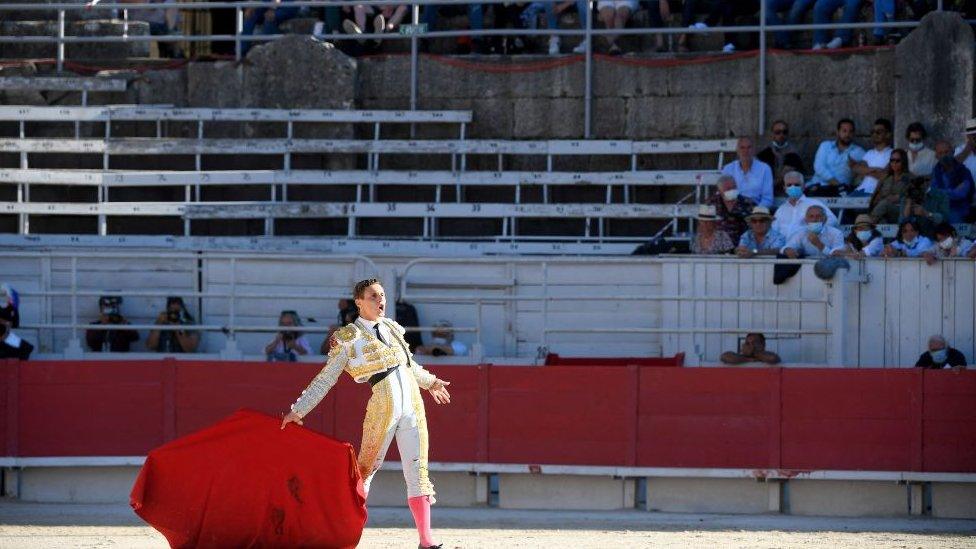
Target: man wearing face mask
x=955 y=181
x=731 y=208
x=781 y=155
x=115 y=341
x=791 y=215
x=442 y=342
x=921 y=159
x=941 y=355
x=817 y=239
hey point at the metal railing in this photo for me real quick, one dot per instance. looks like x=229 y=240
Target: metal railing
x=416 y=34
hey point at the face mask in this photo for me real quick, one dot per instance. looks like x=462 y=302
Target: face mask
x=940 y=356
x=108 y=311
x=794 y=191
x=916 y=146
x=778 y=146
x=731 y=194
x=947 y=243
x=815 y=227
x=911 y=242
x=864 y=236
x=438 y=341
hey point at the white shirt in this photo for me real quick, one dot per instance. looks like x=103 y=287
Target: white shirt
x=922 y=163
x=831 y=237
x=874 y=159
x=756 y=184
x=873 y=248
x=789 y=217
x=384 y=329
x=919 y=247
x=970 y=161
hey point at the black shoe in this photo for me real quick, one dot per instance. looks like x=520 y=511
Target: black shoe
x=430 y=547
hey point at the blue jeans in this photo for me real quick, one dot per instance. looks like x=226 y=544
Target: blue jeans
x=532 y=12
x=476 y=16
x=267 y=27
x=796 y=9
x=823 y=12
x=884 y=12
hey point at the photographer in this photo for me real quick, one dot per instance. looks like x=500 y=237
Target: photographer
x=442 y=342
x=287 y=345
x=924 y=204
x=11 y=346
x=173 y=341
x=116 y=341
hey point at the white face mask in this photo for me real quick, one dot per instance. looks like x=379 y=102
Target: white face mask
x=438 y=341
x=731 y=194
x=916 y=146
x=947 y=243
x=864 y=236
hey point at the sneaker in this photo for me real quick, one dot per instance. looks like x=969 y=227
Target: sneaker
x=379 y=25
x=581 y=48
x=318 y=28
x=553 y=45
x=835 y=43
x=728 y=48
x=615 y=50
x=817 y=46
x=699 y=25
x=350 y=27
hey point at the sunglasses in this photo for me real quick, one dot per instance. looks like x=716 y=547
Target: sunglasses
x=780 y=132
x=918 y=140
x=878 y=131
x=896 y=159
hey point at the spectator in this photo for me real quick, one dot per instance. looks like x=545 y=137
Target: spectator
x=753 y=177
x=552 y=10
x=268 y=18
x=864 y=240
x=874 y=164
x=287 y=345
x=161 y=23
x=926 y=206
x=952 y=178
x=908 y=243
x=348 y=313
x=817 y=239
x=753 y=349
x=791 y=215
x=709 y=240
x=941 y=355
x=886 y=200
x=173 y=341
x=116 y=341
x=884 y=12
x=796 y=12
x=658 y=12
x=823 y=13
x=761 y=238
x=966 y=153
x=949 y=244
x=442 y=342
x=614 y=14
x=730 y=207
x=832 y=164
x=476 y=21
x=724 y=13
x=11 y=345
x=921 y=159
x=781 y=155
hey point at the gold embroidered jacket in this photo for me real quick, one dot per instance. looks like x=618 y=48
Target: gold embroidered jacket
x=361 y=354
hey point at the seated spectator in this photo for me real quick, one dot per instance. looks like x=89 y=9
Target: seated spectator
x=884 y=12
x=908 y=243
x=886 y=200
x=966 y=153
x=710 y=240
x=833 y=163
x=753 y=177
x=552 y=10
x=730 y=207
x=753 y=349
x=796 y=12
x=761 y=238
x=926 y=206
x=287 y=345
x=11 y=345
x=116 y=341
x=442 y=342
x=823 y=13
x=781 y=155
x=614 y=14
x=791 y=215
x=724 y=13
x=476 y=21
x=941 y=355
x=268 y=18
x=173 y=341
x=864 y=240
x=817 y=239
x=161 y=23
x=874 y=164
x=348 y=313
x=949 y=244
x=921 y=159
x=952 y=178
x=658 y=13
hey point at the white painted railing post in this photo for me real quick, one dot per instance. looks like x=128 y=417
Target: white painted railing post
x=836 y=317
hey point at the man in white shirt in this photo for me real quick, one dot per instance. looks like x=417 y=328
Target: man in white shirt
x=874 y=165
x=753 y=177
x=966 y=153
x=817 y=240
x=790 y=216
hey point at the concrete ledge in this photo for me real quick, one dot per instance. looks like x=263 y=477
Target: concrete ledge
x=453 y=489
x=712 y=495
x=953 y=500
x=565 y=492
x=76 y=484
x=847 y=498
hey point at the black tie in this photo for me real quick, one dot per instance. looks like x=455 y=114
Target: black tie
x=379 y=336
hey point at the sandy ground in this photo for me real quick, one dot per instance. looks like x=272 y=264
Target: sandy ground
x=56 y=525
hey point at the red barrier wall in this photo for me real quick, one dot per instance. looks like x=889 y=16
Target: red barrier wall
x=772 y=418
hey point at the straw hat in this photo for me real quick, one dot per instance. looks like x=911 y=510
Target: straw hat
x=706 y=212
x=759 y=212
x=864 y=219
x=970 y=126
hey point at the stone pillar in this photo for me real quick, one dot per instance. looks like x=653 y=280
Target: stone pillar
x=934 y=77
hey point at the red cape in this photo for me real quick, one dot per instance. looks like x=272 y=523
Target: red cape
x=244 y=482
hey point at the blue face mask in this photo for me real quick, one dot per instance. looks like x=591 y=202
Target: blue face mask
x=940 y=356
x=864 y=236
x=911 y=242
x=794 y=191
x=815 y=227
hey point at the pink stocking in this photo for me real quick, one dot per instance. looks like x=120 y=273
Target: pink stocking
x=420 y=508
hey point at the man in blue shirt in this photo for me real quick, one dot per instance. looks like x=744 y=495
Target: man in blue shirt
x=834 y=162
x=753 y=177
x=951 y=177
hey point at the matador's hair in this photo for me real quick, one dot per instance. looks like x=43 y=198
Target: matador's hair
x=359 y=291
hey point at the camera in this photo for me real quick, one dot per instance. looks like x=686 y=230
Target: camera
x=289 y=336
x=111 y=307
